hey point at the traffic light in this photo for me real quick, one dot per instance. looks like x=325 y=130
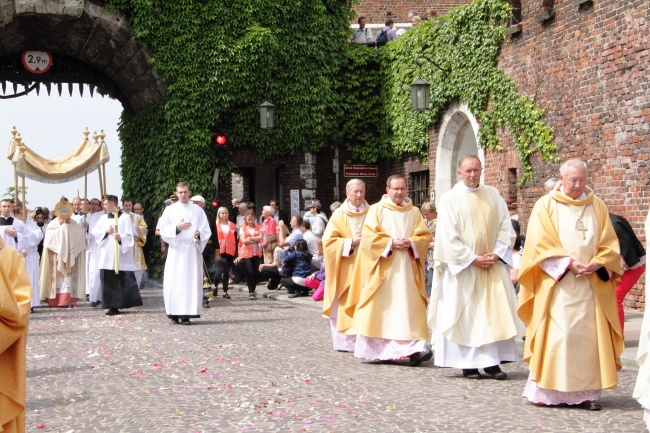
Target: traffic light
x=214 y=203
x=220 y=142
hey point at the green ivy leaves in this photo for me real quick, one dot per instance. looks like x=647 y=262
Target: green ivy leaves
x=466 y=43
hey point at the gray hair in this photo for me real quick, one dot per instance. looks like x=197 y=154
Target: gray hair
x=243 y=205
x=551 y=183
x=573 y=163
x=268 y=209
x=353 y=182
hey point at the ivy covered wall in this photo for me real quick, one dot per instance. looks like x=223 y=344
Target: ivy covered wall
x=217 y=57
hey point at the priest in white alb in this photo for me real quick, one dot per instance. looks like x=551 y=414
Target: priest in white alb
x=387 y=299
x=184 y=226
x=472 y=312
x=340 y=250
x=567 y=297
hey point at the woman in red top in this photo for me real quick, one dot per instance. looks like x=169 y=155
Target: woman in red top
x=250 y=252
x=227 y=251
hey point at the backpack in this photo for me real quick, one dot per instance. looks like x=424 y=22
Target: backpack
x=382 y=39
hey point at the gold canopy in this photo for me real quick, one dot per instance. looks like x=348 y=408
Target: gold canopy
x=84 y=159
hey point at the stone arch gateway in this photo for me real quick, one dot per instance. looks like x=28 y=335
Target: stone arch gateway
x=87 y=32
x=458 y=137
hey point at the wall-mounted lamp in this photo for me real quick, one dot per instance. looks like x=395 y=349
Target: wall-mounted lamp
x=420 y=89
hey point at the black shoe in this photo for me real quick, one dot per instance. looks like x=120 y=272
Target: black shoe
x=471 y=373
x=294 y=295
x=31 y=310
x=252 y=296
x=206 y=304
x=87 y=298
x=215 y=292
x=226 y=296
x=186 y=321
x=93 y=304
x=271 y=286
x=590 y=405
x=174 y=319
x=420 y=357
x=495 y=372
x=112 y=312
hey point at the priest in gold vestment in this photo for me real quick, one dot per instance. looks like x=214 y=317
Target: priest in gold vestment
x=387 y=296
x=642 y=387
x=473 y=303
x=340 y=247
x=567 y=298
x=15 y=301
x=63 y=263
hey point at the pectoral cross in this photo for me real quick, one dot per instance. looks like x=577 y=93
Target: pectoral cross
x=582 y=228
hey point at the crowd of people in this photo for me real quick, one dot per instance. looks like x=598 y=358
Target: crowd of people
x=363 y=35
x=455 y=283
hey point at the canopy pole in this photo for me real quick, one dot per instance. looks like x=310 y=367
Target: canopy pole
x=85 y=195
x=24 y=202
x=101 y=183
x=104 y=174
x=15 y=186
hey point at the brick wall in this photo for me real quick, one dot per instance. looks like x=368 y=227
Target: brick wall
x=376 y=11
x=588 y=67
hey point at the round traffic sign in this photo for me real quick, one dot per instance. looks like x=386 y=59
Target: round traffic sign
x=37 y=62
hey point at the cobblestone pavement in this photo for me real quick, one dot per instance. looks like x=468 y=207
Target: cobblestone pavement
x=265 y=366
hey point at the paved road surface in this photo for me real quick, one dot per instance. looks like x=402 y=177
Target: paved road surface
x=265 y=366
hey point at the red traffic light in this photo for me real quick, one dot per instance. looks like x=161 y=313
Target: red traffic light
x=220 y=139
x=215 y=203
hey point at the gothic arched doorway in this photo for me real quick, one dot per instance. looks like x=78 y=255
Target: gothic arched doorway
x=458 y=137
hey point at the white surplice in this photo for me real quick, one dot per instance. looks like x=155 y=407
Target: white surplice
x=183 y=277
x=472 y=311
x=106 y=243
x=33 y=237
x=93 y=284
x=17 y=243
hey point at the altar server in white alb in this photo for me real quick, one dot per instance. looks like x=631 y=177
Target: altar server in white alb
x=93 y=285
x=185 y=228
x=117 y=276
x=12 y=230
x=33 y=236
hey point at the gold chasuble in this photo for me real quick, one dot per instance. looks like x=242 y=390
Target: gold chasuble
x=344 y=224
x=573 y=334
x=15 y=302
x=63 y=259
x=138 y=255
x=387 y=296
